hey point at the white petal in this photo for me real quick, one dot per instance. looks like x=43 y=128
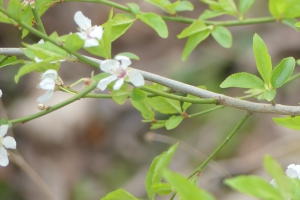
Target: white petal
x=82 y=35
x=91 y=42
x=124 y=60
x=1 y=93
x=273 y=182
x=36 y=59
x=82 y=21
x=292 y=173
x=104 y=82
x=41 y=41
x=97 y=32
x=46 y=97
x=3 y=157
x=3 y=130
x=118 y=84
x=135 y=77
x=9 y=142
x=109 y=66
x=50 y=73
x=47 y=84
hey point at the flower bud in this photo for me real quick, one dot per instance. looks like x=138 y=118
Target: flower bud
x=41 y=106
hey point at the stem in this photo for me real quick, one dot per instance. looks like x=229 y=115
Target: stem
x=79 y=81
x=205 y=111
x=38 y=20
x=180 y=98
x=293 y=78
x=238 y=126
x=55 y=107
x=46 y=38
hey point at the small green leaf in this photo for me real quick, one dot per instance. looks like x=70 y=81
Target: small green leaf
x=291 y=22
x=277 y=8
x=223 y=36
x=192 y=42
x=243 y=80
x=164 y=105
x=158 y=165
x=14 y=8
x=161 y=188
x=196 y=27
x=282 y=72
x=144 y=108
x=132 y=56
x=292 y=9
x=135 y=9
x=288 y=122
x=186 y=105
x=262 y=58
x=244 y=5
x=156 y=22
x=173 y=122
x=185 y=189
x=254 y=186
x=297 y=24
x=119 y=194
x=74 y=42
x=158 y=124
x=229 y=6
x=270 y=94
x=6 y=61
x=120 y=23
x=184 y=6
x=121 y=95
x=138 y=95
x=207 y=14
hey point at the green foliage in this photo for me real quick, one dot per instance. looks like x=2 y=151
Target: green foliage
x=172 y=8
x=161 y=188
x=185 y=189
x=164 y=105
x=8 y=60
x=282 y=72
x=144 y=108
x=244 y=5
x=158 y=165
x=14 y=8
x=243 y=80
x=119 y=194
x=173 y=122
x=158 y=124
x=121 y=95
x=288 y=122
x=120 y=24
x=269 y=94
x=132 y=56
x=138 y=95
x=284 y=8
x=223 y=36
x=135 y=9
x=156 y=22
x=74 y=42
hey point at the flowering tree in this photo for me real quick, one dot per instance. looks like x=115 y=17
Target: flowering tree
x=160 y=95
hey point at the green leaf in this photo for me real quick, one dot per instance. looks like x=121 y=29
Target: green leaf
x=297 y=24
x=158 y=124
x=292 y=9
x=254 y=186
x=291 y=22
x=207 y=14
x=223 y=36
x=14 y=8
x=158 y=165
x=186 y=105
x=184 y=6
x=262 y=58
x=132 y=56
x=6 y=61
x=277 y=8
x=144 y=108
x=192 y=42
x=269 y=94
x=164 y=5
x=185 y=188
x=138 y=95
x=244 y=5
x=161 y=188
x=243 y=80
x=119 y=194
x=74 y=42
x=164 y=105
x=229 y=6
x=27 y=18
x=120 y=23
x=121 y=95
x=135 y=9
x=156 y=22
x=196 y=27
x=295 y=185
x=173 y=122
x=288 y=122
x=282 y=72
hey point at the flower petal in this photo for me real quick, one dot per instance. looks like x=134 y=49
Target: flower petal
x=91 y=42
x=82 y=35
x=41 y=41
x=109 y=66
x=47 y=84
x=3 y=157
x=1 y=93
x=104 y=82
x=124 y=60
x=97 y=32
x=3 y=130
x=135 y=77
x=82 y=21
x=9 y=142
x=118 y=84
x=50 y=73
x=46 y=97
x=36 y=59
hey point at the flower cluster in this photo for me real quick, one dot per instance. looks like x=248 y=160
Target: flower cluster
x=90 y=34
x=292 y=171
x=48 y=84
x=119 y=70
x=5 y=142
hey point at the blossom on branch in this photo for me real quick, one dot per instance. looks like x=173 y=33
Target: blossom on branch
x=90 y=34
x=292 y=171
x=119 y=70
x=5 y=142
x=48 y=84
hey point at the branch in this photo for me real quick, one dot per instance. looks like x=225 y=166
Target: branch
x=189 y=89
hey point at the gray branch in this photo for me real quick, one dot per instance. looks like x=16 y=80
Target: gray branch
x=189 y=89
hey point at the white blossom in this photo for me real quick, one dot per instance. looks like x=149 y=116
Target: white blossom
x=90 y=34
x=1 y=93
x=292 y=171
x=119 y=70
x=29 y=2
x=5 y=142
x=48 y=84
